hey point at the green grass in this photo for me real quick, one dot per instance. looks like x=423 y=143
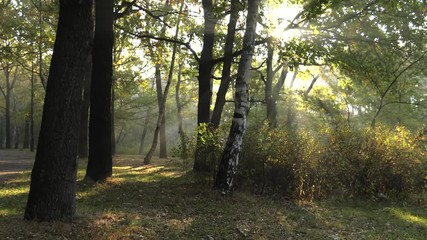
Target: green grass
x=161 y=201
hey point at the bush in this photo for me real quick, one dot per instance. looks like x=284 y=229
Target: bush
x=334 y=163
x=211 y=146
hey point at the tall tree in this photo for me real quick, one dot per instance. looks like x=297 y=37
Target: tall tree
x=230 y=157
x=6 y=91
x=181 y=132
x=162 y=108
x=100 y=162
x=272 y=94
x=53 y=178
x=206 y=64
x=235 y=7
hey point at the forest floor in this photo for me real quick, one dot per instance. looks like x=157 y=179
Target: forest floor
x=14 y=162
x=162 y=201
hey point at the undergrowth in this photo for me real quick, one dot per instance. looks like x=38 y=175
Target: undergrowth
x=161 y=201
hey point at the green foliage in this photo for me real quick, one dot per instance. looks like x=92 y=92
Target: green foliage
x=298 y=52
x=184 y=150
x=335 y=163
x=210 y=142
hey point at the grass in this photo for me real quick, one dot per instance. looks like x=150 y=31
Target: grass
x=160 y=201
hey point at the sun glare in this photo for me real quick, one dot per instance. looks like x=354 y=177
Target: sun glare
x=281 y=16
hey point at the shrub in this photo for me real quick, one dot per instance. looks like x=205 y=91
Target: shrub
x=334 y=163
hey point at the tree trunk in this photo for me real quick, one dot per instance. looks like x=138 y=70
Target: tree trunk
x=40 y=44
x=272 y=94
x=268 y=90
x=113 y=125
x=17 y=135
x=162 y=106
x=26 y=143
x=100 y=163
x=84 y=115
x=1 y=132
x=181 y=132
x=53 y=179
x=228 y=60
x=204 y=80
x=160 y=96
x=7 y=116
x=162 y=138
x=7 y=93
x=290 y=118
x=144 y=131
x=230 y=158
x=32 y=147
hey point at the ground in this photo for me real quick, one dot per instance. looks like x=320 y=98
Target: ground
x=163 y=201
x=14 y=162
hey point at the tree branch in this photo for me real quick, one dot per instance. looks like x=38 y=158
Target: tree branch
x=171 y=40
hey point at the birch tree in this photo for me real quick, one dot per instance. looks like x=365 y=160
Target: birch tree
x=230 y=158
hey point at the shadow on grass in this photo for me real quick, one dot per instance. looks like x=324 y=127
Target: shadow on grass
x=162 y=202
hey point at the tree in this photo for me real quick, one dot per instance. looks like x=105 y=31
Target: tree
x=100 y=162
x=161 y=117
x=235 y=7
x=381 y=51
x=53 y=178
x=6 y=91
x=84 y=115
x=230 y=158
x=204 y=79
x=271 y=95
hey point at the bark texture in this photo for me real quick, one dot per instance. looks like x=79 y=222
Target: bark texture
x=225 y=179
x=100 y=163
x=53 y=179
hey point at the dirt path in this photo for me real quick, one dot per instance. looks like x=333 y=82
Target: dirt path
x=14 y=162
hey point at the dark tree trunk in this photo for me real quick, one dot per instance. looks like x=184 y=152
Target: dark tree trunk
x=40 y=43
x=225 y=179
x=228 y=60
x=113 y=128
x=144 y=131
x=53 y=179
x=10 y=83
x=160 y=96
x=84 y=115
x=32 y=147
x=272 y=94
x=26 y=143
x=100 y=163
x=7 y=116
x=204 y=79
x=1 y=132
x=17 y=135
x=162 y=138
